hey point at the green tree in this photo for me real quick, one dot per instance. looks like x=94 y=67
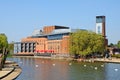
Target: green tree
x=3 y=42
x=111 y=45
x=118 y=44
x=85 y=42
x=10 y=49
x=3 y=49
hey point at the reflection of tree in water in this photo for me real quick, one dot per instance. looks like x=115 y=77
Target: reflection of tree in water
x=65 y=71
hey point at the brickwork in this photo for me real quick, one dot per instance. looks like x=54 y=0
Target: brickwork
x=48 y=29
x=40 y=42
x=65 y=44
x=55 y=45
x=47 y=42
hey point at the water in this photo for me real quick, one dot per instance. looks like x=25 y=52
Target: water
x=46 y=69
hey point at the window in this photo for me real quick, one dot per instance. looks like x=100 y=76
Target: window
x=99 y=20
x=99 y=30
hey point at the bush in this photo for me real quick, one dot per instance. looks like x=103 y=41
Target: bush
x=116 y=55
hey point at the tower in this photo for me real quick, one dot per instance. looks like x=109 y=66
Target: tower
x=100 y=27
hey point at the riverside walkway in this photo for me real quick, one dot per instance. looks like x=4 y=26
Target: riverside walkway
x=10 y=71
x=112 y=60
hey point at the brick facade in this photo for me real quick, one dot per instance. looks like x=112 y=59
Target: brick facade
x=44 y=45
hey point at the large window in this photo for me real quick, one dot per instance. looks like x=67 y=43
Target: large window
x=56 y=36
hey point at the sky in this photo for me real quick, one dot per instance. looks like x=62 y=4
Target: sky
x=19 y=18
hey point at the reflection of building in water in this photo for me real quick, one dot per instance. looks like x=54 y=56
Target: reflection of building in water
x=49 y=69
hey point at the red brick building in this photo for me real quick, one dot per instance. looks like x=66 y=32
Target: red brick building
x=52 y=39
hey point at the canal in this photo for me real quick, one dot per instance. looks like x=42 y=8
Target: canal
x=47 y=69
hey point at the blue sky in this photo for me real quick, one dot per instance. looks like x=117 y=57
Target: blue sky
x=18 y=18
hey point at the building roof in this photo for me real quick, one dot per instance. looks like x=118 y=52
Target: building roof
x=39 y=33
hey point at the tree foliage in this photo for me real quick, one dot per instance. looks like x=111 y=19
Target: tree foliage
x=3 y=49
x=112 y=45
x=86 y=42
x=3 y=42
x=11 y=47
x=118 y=44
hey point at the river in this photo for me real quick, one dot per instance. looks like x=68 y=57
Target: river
x=48 y=69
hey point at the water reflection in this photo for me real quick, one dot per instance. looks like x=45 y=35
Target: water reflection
x=112 y=71
x=87 y=71
x=46 y=69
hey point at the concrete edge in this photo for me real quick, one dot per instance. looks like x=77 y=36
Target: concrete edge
x=18 y=74
x=7 y=73
x=11 y=74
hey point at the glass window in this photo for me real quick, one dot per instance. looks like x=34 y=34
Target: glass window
x=99 y=20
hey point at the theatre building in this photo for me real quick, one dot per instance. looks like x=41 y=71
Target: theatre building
x=52 y=39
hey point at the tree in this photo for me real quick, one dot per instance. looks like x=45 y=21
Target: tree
x=11 y=47
x=111 y=45
x=3 y=49
x=118 y=44
x=3 y=42
x=86 y=42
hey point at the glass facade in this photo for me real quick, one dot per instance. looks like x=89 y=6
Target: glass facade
x=17 y=47
x=56 y=36
x=24 y=47
x=100 y=19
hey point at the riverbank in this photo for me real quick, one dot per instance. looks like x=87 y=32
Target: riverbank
x=107 y=60
x=112 y=60
x=46 y=57
x=10 y=71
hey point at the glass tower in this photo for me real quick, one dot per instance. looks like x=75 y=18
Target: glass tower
x=100 y=25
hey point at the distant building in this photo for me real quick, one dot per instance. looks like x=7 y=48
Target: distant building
x=52 y=39
x=113 y=50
